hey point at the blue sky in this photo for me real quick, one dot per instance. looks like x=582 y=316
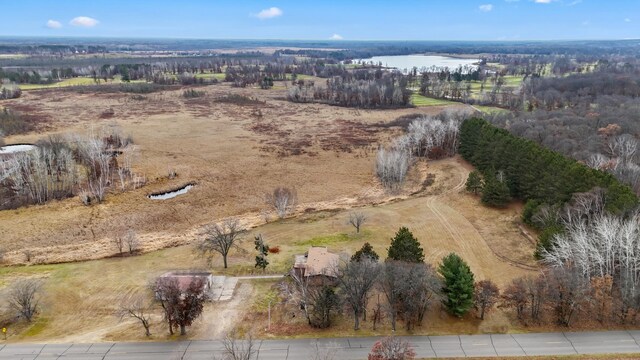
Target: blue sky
x=305 y=19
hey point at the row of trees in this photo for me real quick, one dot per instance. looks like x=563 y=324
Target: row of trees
x=390 y=90
x=535 y=174
x=563 y=294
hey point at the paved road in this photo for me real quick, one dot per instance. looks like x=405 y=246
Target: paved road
x=345 y=348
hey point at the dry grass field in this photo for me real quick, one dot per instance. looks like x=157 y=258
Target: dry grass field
x=235 y=154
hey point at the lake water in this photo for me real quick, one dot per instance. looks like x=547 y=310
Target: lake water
x=408 y=62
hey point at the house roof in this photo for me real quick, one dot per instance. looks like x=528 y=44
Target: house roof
x=321 y=262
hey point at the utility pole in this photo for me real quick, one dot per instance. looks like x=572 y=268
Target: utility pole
x=269 y=323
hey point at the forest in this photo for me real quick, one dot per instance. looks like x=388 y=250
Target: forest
x=534 y=174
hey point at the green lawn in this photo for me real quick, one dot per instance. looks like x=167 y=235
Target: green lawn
x=217 y=76
x=78 y=81
x=419 y=100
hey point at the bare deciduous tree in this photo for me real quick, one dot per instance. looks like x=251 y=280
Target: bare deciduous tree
x=132 y=242
x=409 y=289
x=486 y=295
x=391 y=348
x=515 y=296
x=283 y=200
x=391 y=168
x=167 y=292
x=567 y=292
x=118 y=242
x=356 y=219
x=356 y=279
x=239 y=349
x=318 y=301
x=23 y=297
x=136 y=306
x=323 y=352
x=221 y=238
x=181 y=305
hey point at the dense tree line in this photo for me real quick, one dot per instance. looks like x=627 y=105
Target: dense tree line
x=535 y=174
x=562 y=294
x=592 y=117
x=360 y=89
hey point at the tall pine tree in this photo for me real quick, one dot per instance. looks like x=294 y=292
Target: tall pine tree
x=405 y=247
x=474 y=183
x=495 y=192
x=458 y=285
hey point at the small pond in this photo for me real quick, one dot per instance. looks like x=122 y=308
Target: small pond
x=13 y=149
x=171 y=194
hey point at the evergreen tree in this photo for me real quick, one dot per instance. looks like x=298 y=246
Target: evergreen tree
x=474 y=183
x=405 y=247
x=365 y=252
x=263 y=251
x=495 y=193
x=458 y=285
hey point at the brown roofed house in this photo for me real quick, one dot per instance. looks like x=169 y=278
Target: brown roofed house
x=317 y=264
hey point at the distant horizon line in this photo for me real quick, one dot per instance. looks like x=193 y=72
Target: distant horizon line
x=334 y=41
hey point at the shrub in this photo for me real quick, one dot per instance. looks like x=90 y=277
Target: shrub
x=12 y=123
x=391 y=348
x=237 y=99
x=274 y=250
x=192 y=94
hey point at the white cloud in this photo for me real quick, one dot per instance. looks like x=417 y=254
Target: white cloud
x=627 y=20
x=84 y=21
x=486 y=7
x=336 y=37
x=269 y=13
x=53 y=24
x=543 y=1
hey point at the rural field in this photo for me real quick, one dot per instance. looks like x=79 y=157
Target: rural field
x=235 y=153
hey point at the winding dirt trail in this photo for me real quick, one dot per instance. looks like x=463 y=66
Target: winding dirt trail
x=465 y=239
